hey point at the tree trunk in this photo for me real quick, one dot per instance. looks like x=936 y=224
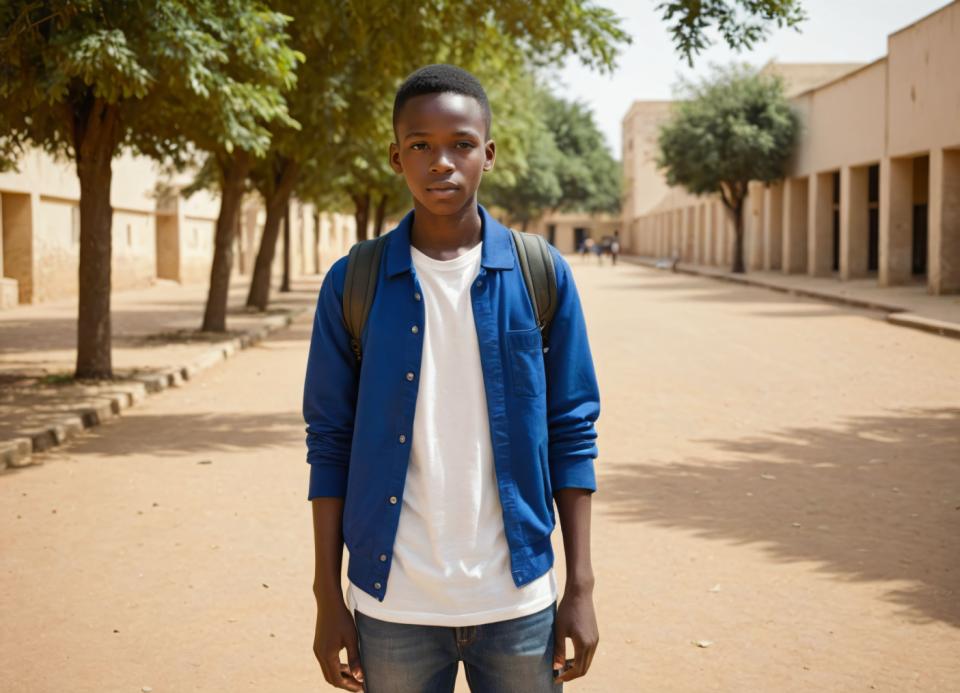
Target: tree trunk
x=361 y=214
x=523 y=226
x=380 y=215
x=738 y=264
x=233 y=173
x=95 y=137
x=276 y=201
x=285 y=282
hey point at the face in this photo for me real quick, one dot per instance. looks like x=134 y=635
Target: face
x=442 y=150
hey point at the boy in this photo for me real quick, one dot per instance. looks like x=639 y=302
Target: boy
x=437 y=455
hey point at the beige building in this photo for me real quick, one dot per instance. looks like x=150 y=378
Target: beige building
x=872 y=190
x=566 y=230
x=157 y=233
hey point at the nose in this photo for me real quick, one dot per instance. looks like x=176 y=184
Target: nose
x=442 y=162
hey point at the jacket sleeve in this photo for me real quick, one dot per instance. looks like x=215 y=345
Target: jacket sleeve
x=573 y=396
x=330 y=391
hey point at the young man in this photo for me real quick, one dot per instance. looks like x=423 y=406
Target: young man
x=437 y=456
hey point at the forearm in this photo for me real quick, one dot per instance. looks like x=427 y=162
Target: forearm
x=574 y=506
x=328 y=549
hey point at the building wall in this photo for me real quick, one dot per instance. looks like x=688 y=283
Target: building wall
x=594 y=226
x=924 y=85
x=58 y=244
x=844 y=122
x=156 y=232
x=16 y=218
x=873 y=186
x=643 y=184
x=196 y=235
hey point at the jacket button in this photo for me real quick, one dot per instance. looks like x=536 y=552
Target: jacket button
x=479 y=284
x=410 y=375
x=415 y=329
x=376 y=585
x=383 y=557
x=416 y=296
x=393 y=500
x=402 y=439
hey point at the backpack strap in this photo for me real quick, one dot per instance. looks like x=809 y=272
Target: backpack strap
x=363 y=266
x=539 y=275
x=360 y=285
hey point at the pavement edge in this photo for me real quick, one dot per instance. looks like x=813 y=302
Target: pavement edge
x=18 y=452
x=895 y=315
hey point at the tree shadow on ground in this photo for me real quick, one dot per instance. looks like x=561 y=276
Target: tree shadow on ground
x=166 y=434
x=173 y=436
x=133 y=320
x=876 y=499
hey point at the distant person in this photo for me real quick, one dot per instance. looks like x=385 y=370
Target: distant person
x=441 y=435
x=615 y=246
x=587 y=246
x=600 y=248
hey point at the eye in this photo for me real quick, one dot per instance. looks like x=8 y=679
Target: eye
x=469 y=145
x=418 y=145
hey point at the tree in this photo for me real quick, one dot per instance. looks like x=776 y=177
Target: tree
x=352 y=71
x=264 y=57
x=735 y=127
x=590 y=177
x=85 y=79
x=741 y=23
x=535 y=189
x=275 y=178
x=567 y=166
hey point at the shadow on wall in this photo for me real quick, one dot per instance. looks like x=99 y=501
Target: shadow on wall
x=876 y=499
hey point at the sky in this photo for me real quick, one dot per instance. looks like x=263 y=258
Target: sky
x=835 y=31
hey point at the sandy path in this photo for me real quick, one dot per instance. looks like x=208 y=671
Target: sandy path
x=778 y=477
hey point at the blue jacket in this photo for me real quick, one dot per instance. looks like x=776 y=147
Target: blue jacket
x=541 y=406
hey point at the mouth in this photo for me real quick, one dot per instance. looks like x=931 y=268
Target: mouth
x=443 y=188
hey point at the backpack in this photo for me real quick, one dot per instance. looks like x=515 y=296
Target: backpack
x=363 y=265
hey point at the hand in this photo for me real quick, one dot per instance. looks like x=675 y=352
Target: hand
x=336 y=629
x=577 y=620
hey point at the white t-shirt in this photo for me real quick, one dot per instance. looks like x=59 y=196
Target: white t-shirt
x=451 y=562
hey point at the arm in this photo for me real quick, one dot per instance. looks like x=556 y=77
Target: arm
x=329 y=402
x=330 y=392
x=335 y=627
x=573 y=396
x=577 y=619
x=573 y=406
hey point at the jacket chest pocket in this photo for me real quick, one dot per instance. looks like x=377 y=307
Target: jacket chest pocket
x=525 y=352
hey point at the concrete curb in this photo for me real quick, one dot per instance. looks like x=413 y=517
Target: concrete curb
x=918 y=322
x=895 y=315
x=18 y=452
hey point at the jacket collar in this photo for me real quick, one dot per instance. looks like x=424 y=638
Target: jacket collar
x=497 y=252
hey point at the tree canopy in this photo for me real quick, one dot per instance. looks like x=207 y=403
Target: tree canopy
x=355 y=60
x=732 y=128
x=564 y=162
x=741 y=23
x=85 y=78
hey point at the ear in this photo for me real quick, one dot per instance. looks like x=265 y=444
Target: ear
x=394 y=156
x=490 y=154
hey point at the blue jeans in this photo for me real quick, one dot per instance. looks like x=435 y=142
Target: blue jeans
x=512 y=656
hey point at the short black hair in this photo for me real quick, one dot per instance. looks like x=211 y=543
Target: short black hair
x=439 y=79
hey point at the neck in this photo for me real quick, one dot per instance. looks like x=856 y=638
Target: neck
x=446 y=236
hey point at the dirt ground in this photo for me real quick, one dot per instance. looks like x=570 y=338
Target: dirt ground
x=779 y=480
